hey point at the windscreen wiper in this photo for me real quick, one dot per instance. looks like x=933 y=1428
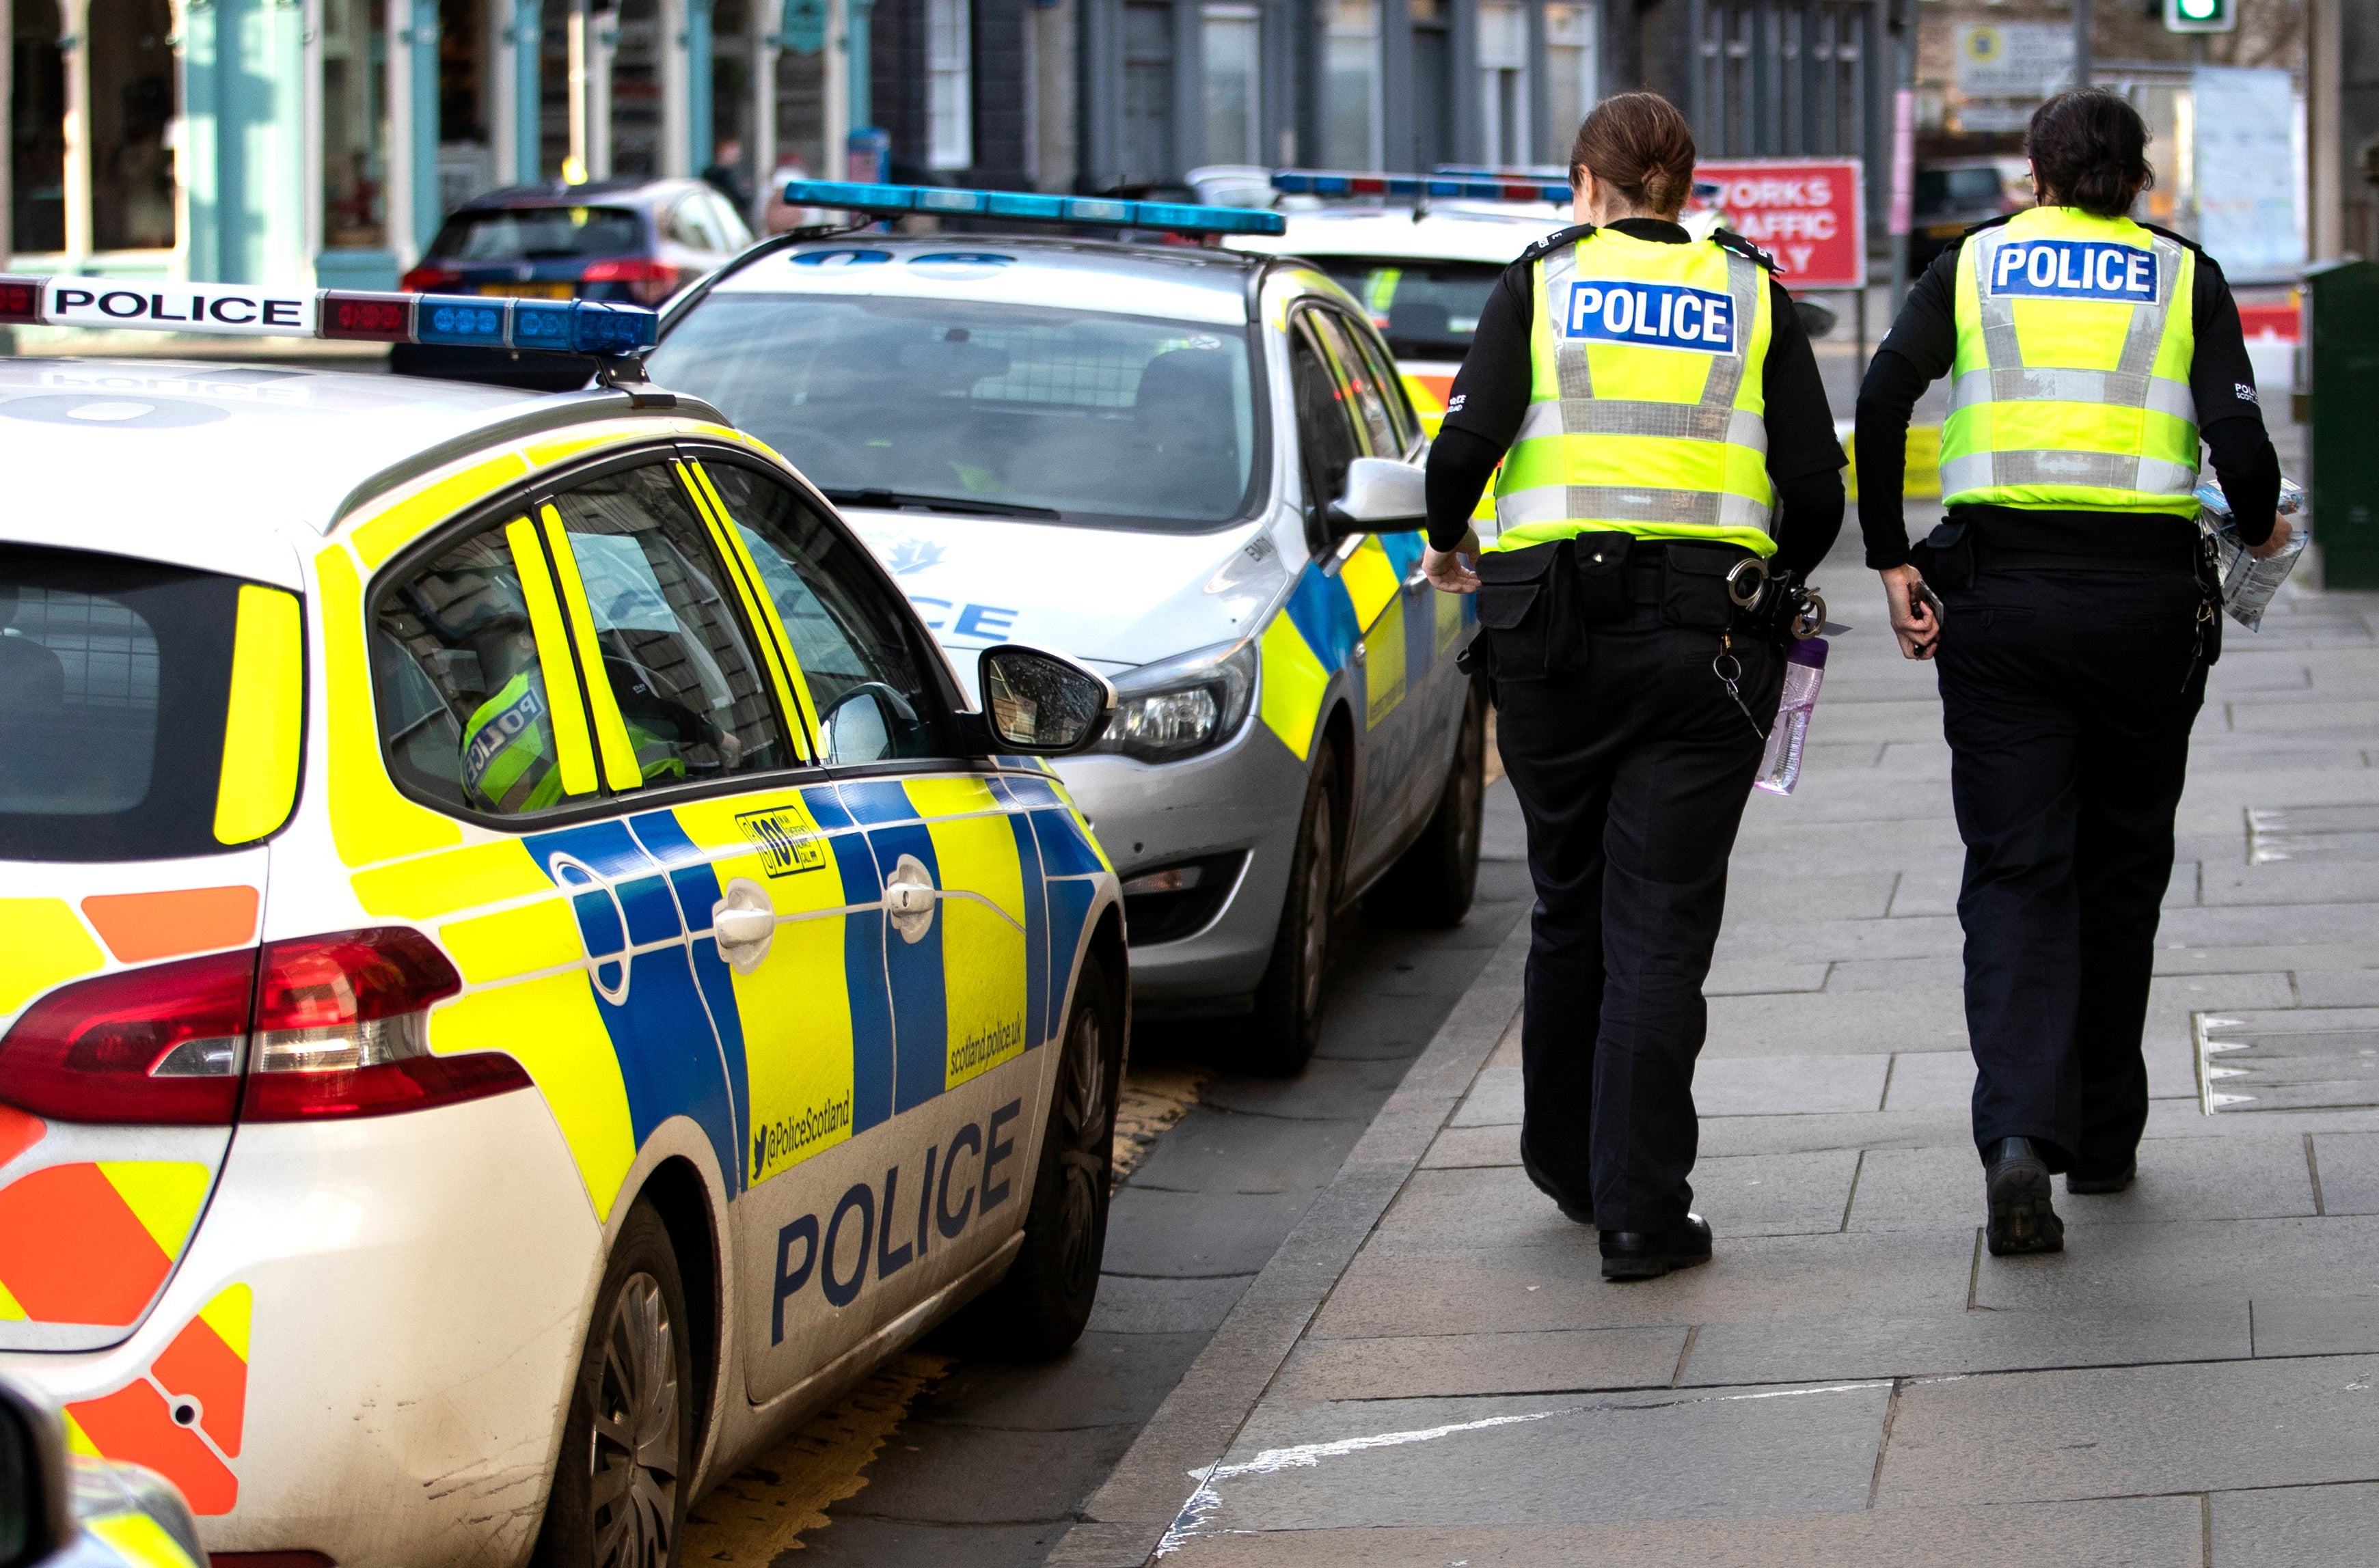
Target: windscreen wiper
x=893 y=501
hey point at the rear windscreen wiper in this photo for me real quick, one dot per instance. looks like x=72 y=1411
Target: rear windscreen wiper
x=892 y=501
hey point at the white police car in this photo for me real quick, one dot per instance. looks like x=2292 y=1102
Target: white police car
x=520 y=975
x=1196 y=471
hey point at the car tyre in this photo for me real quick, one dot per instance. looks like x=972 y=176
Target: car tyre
x=1287 y=1024
x=1038 y=1308
x=628 y=1440
x=1432 y=882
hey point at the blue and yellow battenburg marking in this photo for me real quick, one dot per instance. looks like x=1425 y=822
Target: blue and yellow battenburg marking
x=613 y=992
x=1329 y=612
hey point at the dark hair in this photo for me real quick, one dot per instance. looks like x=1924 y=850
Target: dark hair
x=2089 y=150
x=1639 y=144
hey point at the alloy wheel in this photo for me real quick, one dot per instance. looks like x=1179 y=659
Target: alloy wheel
x=638 y=1437
x=1320 y=843
x=1082 y=1129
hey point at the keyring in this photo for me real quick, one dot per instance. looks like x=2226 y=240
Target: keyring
x=1812 y=619
x=1757 y=569
x=1726 y=657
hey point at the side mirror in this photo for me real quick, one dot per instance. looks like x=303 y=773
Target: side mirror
x=1384 y=496
x=1040 y=704
x=36 y=1491
x=1816 y=320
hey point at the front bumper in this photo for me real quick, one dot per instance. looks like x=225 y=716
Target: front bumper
x=366 y=1351
x=1246 y=797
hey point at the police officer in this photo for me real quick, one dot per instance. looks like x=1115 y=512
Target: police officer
x=1660 y=425
x=2090 y=356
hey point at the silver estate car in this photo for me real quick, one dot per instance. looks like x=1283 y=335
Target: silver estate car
x=1198 y=472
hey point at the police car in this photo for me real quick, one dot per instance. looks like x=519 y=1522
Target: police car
x=1196 y=470
x=524 y=973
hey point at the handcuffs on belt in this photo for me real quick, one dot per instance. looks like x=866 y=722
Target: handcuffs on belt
x=1780 y=605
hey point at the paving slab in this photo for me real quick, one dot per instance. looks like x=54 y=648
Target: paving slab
x=1931 y=1081
x=1729 y=978
x=2348 y=1165
x=2128 y=1431
x=2295 y=1527
x=1469 y=1210
x=2316 y=1325
x=2242 y=1178
x=1162 y=1306
x=2148 y=1532
x=2230 y=1259
x=1853 y=1129
x=1548 y=1460
x=1453 y=1365
x=2337 y=987
x=1768 y=1086
x=1835 y=1023
x=1952 y=1342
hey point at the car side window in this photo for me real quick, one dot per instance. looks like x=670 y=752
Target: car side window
x=690 y=223
x=466 y=709
x=1325 y=430
x=733 y=233
x=862 y=661
x=690 y=690
x=1391 y=382
x=1361 y=381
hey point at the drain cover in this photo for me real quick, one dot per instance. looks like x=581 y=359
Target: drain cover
x=2305 y=1058
x=2294 y=833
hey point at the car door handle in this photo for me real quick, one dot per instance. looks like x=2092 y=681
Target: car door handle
x=909 y=895
x=744 y=924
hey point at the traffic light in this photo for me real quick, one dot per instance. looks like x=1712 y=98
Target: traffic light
x=2201 y=15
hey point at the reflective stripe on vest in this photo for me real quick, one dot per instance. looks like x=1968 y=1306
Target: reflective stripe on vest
x=507 y=754
x=2071 y=382
x=1646 y=411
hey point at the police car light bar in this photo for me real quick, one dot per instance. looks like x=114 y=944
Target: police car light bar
x=570 y=326
x=1459 y=186
x=1017 y=207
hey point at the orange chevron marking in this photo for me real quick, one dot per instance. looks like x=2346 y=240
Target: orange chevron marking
x=72 y=1250
x=140 y=927
x=134 y=1424
x=20 y=1130
x=200 y=1364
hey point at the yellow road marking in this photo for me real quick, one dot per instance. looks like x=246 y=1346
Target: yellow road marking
x=1153 y=1100
x=764 y=1509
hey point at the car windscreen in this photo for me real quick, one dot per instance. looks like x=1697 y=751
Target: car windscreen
x=538 y=234
x=993 y=409
x=1425 y=309
x=114 y=677
x=1949 y=190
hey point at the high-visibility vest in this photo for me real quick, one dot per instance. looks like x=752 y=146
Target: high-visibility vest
x=2071 y=388
x=1646 y=410
x=508 y=757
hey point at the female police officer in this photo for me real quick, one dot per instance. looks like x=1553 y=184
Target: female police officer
x=1657 y=410
x=2090 y=354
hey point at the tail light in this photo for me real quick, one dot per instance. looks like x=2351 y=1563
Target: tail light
x=651 y=282
x=316 y=1027
x=427 y=278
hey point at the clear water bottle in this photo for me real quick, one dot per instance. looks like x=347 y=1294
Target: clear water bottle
x=1805 y=671
x=2247 y=583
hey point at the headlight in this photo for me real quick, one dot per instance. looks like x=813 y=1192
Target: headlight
x=1177 y=707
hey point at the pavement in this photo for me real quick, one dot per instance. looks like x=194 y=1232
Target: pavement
x=1430 y=1371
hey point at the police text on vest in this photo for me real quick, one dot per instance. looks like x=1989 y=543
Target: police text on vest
x=2074 y=269
x=1655 y=314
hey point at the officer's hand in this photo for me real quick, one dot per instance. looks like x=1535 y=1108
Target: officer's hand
x=2282 y=529
x=1448 y=571
x=1912 y=617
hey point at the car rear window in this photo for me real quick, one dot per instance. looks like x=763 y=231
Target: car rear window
x=114 y=677
x=1425 y=309
x=538 y=234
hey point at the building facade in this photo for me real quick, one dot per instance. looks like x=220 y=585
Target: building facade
x=323 y=140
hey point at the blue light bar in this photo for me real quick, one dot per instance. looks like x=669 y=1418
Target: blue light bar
x=1022 y=207
x=572 y=326
x=1483 y=186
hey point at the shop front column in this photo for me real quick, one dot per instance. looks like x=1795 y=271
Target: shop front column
x=244 y=133
x=700 y=125
x=414 y=204
x=74 y=44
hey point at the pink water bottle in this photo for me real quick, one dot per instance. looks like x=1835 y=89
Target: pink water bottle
x=1805 y=671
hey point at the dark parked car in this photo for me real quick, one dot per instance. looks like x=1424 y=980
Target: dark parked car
x=636 y=242
x=1955 y=194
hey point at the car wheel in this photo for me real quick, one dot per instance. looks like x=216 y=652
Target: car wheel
x=1287 y=1021
x=1040 y=1306
x=627 y=1471
x=1432 y=882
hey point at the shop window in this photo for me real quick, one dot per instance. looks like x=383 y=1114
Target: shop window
x=355 y=125
x=131 y=123
x=1503 y=80
x=1570 y=86
x=1233 y=47
x=1350 y=82
x=37 y=142
x=635 y=93
x=949 y=85
x=1147 y=92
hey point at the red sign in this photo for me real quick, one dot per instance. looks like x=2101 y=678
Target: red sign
x=1810 y=214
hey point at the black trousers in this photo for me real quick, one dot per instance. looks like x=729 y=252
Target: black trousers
x=1632 y=772
x=2067 y=698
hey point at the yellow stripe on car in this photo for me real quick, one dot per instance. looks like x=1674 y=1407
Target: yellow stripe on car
x=264 y=720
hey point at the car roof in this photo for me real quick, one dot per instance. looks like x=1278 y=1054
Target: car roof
x=1175 y=282
x=229 y=468
x=554 y=193
x=1465 y=233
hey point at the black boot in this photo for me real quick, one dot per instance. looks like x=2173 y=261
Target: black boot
x=2016 y=1185
x=1647 y=1255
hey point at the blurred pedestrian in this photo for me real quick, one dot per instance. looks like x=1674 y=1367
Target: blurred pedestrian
x=1662 y=433
x=2073 y=623
x=725 y=175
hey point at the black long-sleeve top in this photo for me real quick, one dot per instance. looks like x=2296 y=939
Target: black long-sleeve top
x=1490 y=394
x=1923 y=346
